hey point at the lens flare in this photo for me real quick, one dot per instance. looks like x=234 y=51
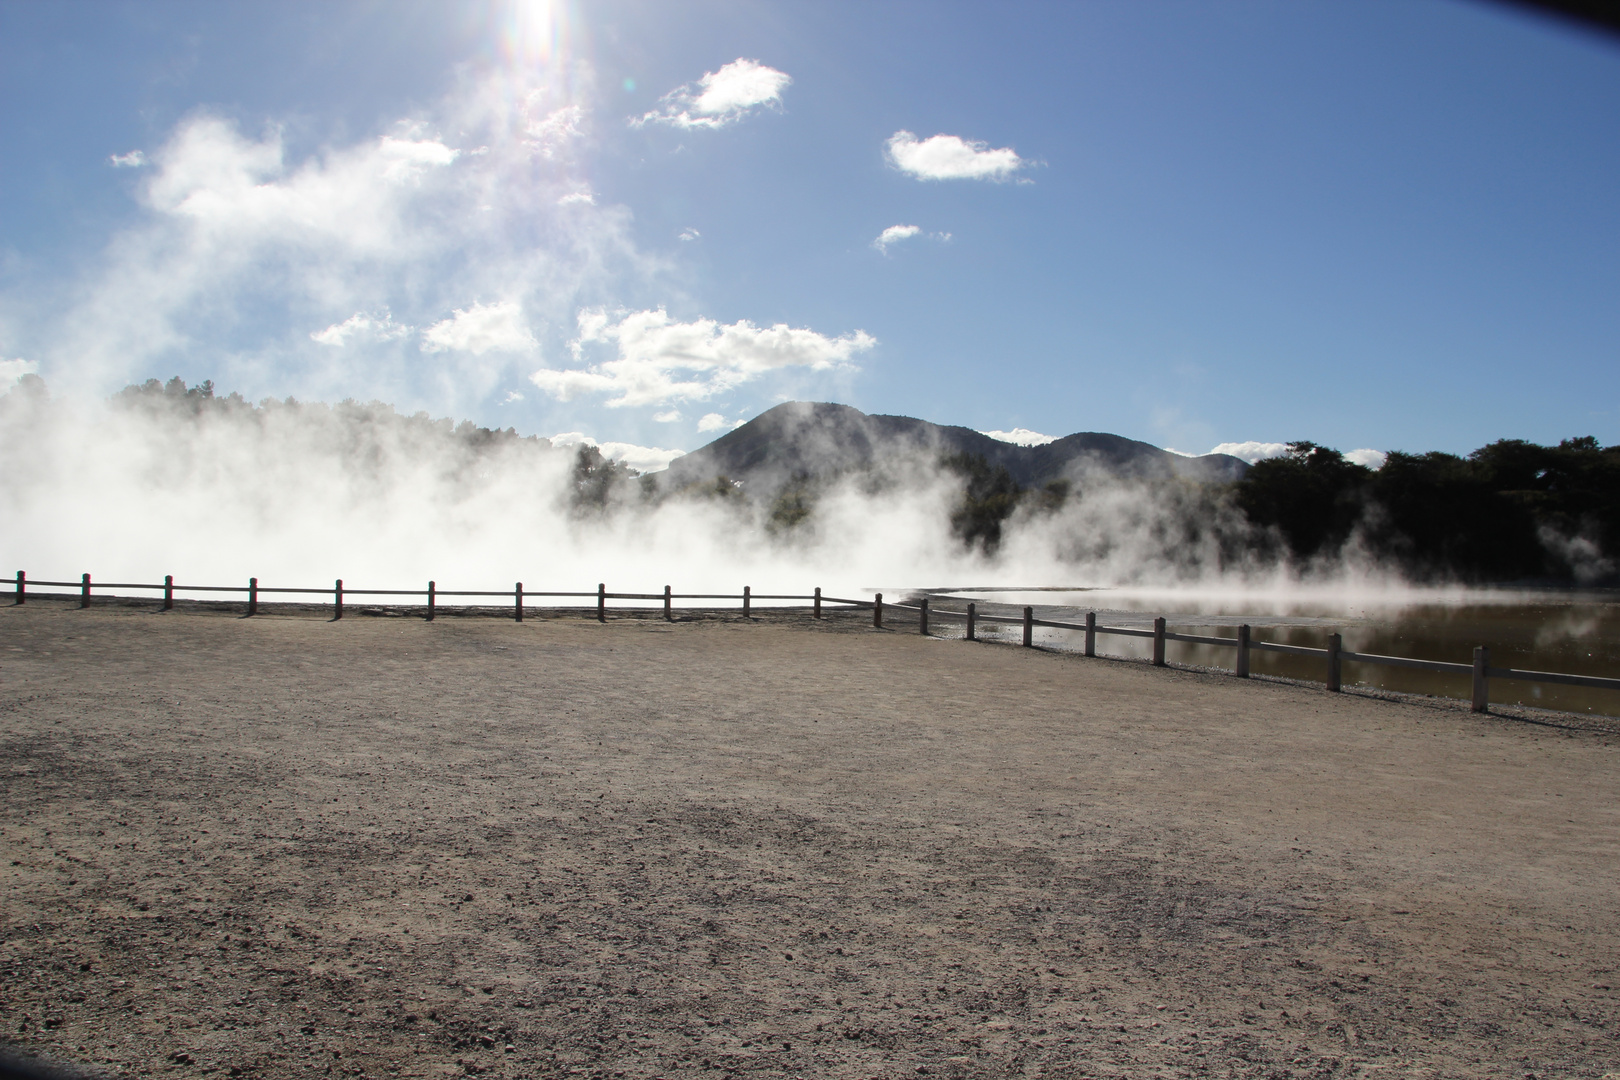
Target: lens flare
x=536 y=57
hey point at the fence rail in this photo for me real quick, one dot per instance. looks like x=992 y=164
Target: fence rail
x=1335 y=655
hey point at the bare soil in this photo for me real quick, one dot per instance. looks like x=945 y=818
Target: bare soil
x=290 y=847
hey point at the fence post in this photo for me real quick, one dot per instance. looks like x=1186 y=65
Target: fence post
x=168 y=592
x=669 y=613
x=747 y=597
x=818 y=601
x=337 y=599
x=253 y=596
x=1482 y=660
x=877 y=612
x=922 y=622
x=84 y=591
x=1242 y=670
x=1158 y=642
x=1091 y=633
x=601 y=602
x=972 y=634
x=1335 y=665
x=433 y=597
x=1029 y=627
x=517 y=599
x=22 y=587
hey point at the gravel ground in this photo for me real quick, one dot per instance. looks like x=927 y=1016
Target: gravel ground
x=288 y=847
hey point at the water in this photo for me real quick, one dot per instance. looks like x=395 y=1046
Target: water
x=1573 y=632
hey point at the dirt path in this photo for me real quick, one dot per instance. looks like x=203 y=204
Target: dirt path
x=285 y=847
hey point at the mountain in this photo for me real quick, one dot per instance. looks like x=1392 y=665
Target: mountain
x=802 y=439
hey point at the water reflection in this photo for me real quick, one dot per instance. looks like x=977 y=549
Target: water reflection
x=1574 y=632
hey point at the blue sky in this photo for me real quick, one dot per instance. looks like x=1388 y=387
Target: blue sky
x=1387 y=225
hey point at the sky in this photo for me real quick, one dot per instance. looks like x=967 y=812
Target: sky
x=1377 y=225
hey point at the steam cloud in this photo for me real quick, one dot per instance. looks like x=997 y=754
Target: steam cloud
x=214 y=490
x=299 y=494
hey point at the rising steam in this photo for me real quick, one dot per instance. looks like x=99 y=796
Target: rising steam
x=216 y=489
x=213 y=490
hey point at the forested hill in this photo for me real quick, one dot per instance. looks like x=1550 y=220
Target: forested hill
x=802 y=440
x=1509 y=511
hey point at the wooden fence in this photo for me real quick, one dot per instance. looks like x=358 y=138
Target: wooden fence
x=1335 y=656
x=340 y=593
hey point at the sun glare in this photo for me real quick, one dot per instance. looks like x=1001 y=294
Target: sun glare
x=534 y=32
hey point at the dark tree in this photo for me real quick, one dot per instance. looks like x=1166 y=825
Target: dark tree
x=1509 y=511
x=989 y=496
x=1311 y=495
x=596 y=478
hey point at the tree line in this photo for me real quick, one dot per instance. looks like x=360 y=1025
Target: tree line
x=1512 y=511
x=1509 y=511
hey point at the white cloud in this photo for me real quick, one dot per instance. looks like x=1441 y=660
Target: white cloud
x=720 y=97
x=893 y=235
x=215 y=178
x=668 y=417
x=361 y=327
x=239 y=250
x=950 y=157
x=12 y=370
x=480 y=329
x=230 y=226
x=715 y=422
x=548 y=135
x=132 y=160
x=1251 y=451
x=404 y=160
x=1259 y=451
x=896 y=233
x=689 y=234
x=511 y=397
x=1021 y=437
x=660 y=361
x=1372 y=459
x=575 y=197
x=641 y=458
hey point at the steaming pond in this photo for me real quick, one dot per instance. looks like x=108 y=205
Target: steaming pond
x=1574 y=632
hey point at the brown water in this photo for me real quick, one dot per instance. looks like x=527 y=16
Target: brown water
x=1575 y=632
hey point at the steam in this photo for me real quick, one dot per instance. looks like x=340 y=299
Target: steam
x=12 y=370
x=1581 y=553
x=166 y=480
x=438 y=260
x=214 y=490
x=298 y=494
